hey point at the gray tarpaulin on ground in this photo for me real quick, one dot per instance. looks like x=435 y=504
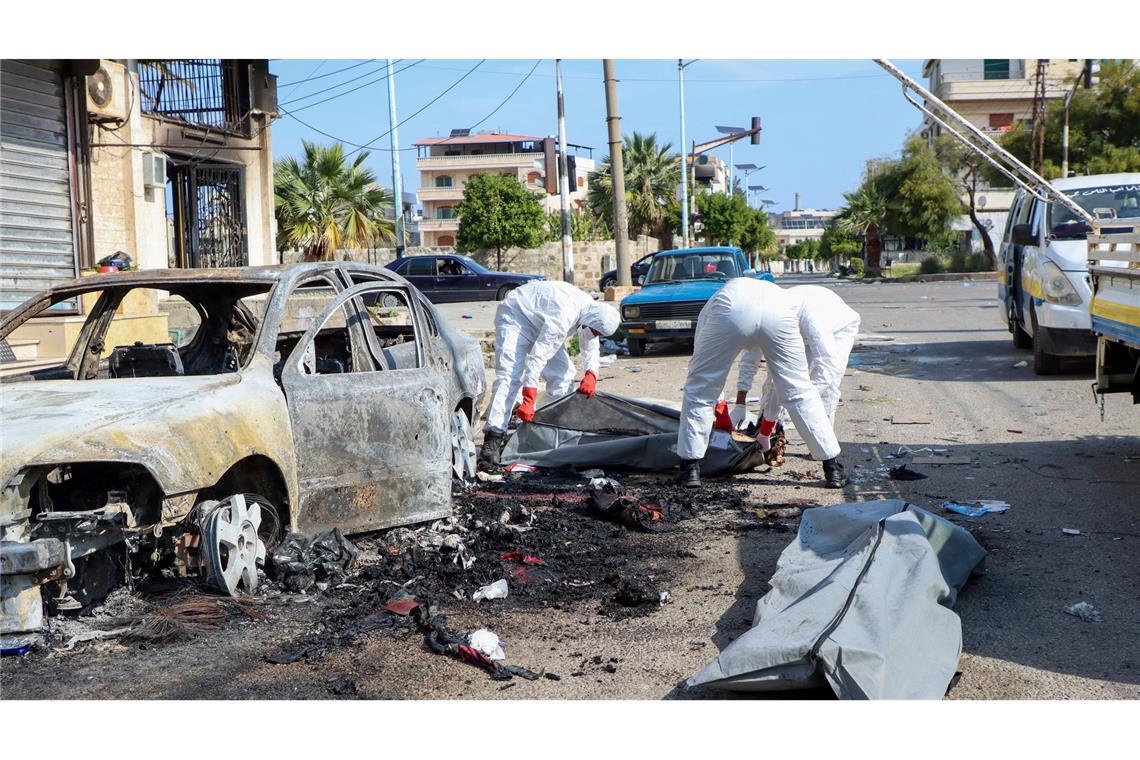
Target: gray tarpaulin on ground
x=860 y=601
x=613 y=431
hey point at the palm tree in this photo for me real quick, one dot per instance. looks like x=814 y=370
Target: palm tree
x=325 y=203
x=651 y=177
x=864 y=214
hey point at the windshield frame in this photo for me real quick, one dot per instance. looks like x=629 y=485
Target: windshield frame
x=660 y=258
x=1064 y=225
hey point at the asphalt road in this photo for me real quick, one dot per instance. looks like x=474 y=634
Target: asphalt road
x=934 y=350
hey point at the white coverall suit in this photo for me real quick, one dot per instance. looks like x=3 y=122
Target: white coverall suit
x=750 y=315
x=829 y=327
x=531 y=328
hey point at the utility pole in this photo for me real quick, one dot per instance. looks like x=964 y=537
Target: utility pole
x=684 y=166
x=397 y=190
x=1084 y=78
x=617 y=174
x=1037 y=152
x=564 y=183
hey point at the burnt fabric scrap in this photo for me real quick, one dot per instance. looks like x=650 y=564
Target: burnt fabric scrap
x=301 y=561
x=860 y=601
x=605 y=430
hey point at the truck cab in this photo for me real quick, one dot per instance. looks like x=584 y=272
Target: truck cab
x=1044 y=282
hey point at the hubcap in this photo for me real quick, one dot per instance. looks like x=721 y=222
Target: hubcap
x=462 y=447
x=231 y=545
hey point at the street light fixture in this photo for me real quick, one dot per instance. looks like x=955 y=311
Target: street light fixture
x=748 y=169
x=729 y=131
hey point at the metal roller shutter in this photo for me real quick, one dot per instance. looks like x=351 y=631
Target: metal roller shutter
x=37 y=247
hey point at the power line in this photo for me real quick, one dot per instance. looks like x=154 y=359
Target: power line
x=673 y=80
x=427 y=105
x=314 y=71
x=346 y=92
x=322 y=76
x=520 y=84
x=403 y=121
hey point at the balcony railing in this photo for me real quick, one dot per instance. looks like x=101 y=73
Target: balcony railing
x=455 y=192
x=439 y=224
x=522 y=159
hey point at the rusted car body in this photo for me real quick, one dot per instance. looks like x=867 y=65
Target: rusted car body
x=332 y=394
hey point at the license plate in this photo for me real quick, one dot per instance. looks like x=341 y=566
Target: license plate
x=674 y=324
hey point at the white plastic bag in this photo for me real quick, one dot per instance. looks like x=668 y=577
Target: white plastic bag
x=486 y=643
x=496 y=590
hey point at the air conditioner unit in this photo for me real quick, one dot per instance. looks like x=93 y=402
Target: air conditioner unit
x=106 y=92
x=154 y=170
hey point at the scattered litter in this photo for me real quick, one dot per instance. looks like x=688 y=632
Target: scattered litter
x=864 y=387
x=80 y=638
x=16 y=651
x=1011 y=430
x=519 y=467
x=1085 y=612
x=634 y=368
x=1070 y=531
x=967 y=284
x=917 y=419
x=607 y=360
x=300 y=562
x=487 y=644
x=1021 y=364
x=467 y=316
x=976 y=508
x=442 y=641
x=488 y=477
x=904 y=449
x=664 y=598
x=765 y=513
x=942 y=460
x=496 y=590
x=594 y=473
x=609 y=498
x=902 y=472
x=518 y=556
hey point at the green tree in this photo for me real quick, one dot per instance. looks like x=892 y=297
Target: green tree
x=498 y=212
x=835 y=242
x=921 y=200
x=584 y=227
x=965 y=169
x=1104 y=127
x=723 y=217
x=757 y=237
x=651 y=177
x=324 y=203
x=865 y=216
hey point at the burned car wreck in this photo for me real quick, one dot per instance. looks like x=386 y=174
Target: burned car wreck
x=293 y=398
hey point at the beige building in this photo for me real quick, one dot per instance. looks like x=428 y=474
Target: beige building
x=800 y=224
x=168 y=161
x=446 y=163
x=994 y=93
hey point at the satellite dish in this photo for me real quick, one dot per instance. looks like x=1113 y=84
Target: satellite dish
x=99 y=88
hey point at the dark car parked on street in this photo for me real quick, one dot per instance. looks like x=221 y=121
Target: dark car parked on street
x=637 y=272
x=447 y=278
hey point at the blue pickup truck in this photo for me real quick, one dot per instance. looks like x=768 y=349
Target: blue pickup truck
x=677 y=287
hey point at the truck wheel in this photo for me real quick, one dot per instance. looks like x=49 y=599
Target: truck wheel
x=636 y=346
x=1043 y=363
x=1021 y=339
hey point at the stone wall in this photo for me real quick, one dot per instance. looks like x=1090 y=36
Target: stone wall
x=589 y=258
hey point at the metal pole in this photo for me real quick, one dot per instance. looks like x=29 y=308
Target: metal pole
x=730 y=188
x=564 y=183
x=617 y=174
x=397 y=190
x=693 y=175
x=1065 y=130
x=684 y=168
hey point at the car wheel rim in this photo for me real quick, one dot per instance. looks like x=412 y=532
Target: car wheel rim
x=231 y=545
x=391 y=301
x=462 y=447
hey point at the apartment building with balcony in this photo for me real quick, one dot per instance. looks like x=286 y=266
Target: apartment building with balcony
x=446 y=164
x=994 y=94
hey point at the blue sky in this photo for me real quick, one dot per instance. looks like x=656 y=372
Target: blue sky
x=822 y=119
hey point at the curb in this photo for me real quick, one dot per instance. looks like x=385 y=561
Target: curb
x=944 y=277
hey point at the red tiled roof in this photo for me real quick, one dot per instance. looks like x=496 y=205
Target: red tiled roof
x=476 y=139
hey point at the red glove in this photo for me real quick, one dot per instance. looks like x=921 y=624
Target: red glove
x=767 y=427
x=589 y=384
x=723 y=419
x=526 y=408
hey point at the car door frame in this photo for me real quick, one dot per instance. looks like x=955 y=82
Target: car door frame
x=372 y=448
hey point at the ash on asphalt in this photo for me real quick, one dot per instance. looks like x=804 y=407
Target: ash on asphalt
x=539 y=534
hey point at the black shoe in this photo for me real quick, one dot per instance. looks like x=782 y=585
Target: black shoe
x=834 y=476
x=690 y=475
x=492 y=447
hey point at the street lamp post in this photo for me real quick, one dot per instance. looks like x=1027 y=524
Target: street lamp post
x=748 y=169
x=684 y=175
x=730 y=131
